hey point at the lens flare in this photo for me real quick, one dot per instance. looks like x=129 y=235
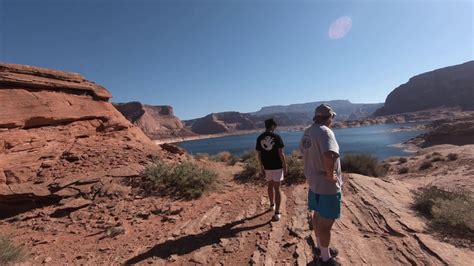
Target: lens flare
x=340 y=27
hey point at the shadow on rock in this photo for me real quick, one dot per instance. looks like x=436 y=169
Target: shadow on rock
x=190 y=243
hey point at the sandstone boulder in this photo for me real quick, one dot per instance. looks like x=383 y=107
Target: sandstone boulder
x=59 y=136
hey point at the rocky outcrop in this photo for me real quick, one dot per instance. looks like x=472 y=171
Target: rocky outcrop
x=157 y=122
x=221 y=123
x=459 y=131
x=60 y=137
x=446 y=87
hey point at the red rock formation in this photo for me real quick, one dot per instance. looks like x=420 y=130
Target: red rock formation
x=221 y=123
x=446 y=87
x=157 y=122
x=60 y=137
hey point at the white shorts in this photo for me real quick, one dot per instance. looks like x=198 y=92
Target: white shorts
x=274 y=175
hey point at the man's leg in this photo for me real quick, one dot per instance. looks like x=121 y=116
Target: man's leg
x=324 y=227
x=270 y=192
x=315 y=228
x=276 y=186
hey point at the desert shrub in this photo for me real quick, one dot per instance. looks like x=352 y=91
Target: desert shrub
x=251 y=169
x=225 y=157
x=449 y=210
x=453 y=156
x=201 y=156
x=251 y=172
x=364 y=164
x=436 y=154
x=248 y=155
x=403 y=170
x=184 y=180
x=402 y=160
x=9 y=252
x=437 y=159
x=425 y=165
x=295 y=166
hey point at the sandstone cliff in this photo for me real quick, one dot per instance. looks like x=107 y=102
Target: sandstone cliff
x=60 y=138
x=446 y=87
x=157 y=122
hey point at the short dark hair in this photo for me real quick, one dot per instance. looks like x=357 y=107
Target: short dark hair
x=269 y=123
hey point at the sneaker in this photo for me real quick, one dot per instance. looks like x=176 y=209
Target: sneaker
x=330 y=262
x=333 y=251
x=272 y=207
x=277 y=217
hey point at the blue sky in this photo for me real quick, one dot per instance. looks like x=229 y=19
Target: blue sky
x=209 y=56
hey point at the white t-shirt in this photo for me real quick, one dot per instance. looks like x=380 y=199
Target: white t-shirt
x=316 y=140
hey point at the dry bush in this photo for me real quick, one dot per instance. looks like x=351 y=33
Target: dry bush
x=184 y=180
x=364 y=164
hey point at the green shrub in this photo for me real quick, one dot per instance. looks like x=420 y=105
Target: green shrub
x=448 y=210
x=425 y=165
x=402 y=160
x=403 y=170
x=251 y=172
x=453 y=156
x=364 y=164
x=225 y=157
x=184 y=180
x=295 y=168
x=248 y=155
x=9 y=252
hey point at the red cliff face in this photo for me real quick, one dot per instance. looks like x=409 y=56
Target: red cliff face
x=60 y=137
x=446 y=87
x=157 y=122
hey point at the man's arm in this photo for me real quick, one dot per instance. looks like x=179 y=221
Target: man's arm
x=329 y=161
x=259 y=158
x=281 y=153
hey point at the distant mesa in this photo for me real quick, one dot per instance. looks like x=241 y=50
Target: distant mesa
x=157 y=122
x=446 y=87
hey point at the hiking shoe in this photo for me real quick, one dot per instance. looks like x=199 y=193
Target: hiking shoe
x=272 y=207
x=333 y=251
x=277 y=217
x=330 y=262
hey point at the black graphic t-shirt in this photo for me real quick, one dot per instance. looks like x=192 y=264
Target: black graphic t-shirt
x=268 y=144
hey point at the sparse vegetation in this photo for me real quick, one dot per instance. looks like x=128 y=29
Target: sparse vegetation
x=364 y=164
x=402 y=160
x=426 y=165
x=449 y=211
x=184 y=180
x=225 y=157
x=453 y=156
x=295 y=168
x=9 y=252
x=202 y=156
x=403 y=170
x=251 y=172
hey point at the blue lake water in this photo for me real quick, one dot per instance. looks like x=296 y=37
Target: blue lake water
x=377 y=140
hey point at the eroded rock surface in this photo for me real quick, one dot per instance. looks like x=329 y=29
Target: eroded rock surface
x=60 y=137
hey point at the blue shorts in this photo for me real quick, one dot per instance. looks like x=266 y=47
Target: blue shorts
x=327 y=206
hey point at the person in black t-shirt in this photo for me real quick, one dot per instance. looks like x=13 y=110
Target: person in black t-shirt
x=272 y=163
